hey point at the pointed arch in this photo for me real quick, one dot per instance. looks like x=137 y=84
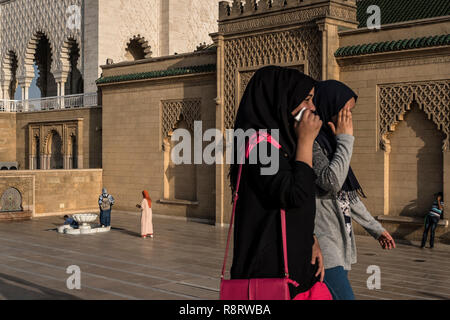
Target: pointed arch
x=395 y=100
x=9 y=73
x=30 y=52
x=137 y=48
x=71 y=66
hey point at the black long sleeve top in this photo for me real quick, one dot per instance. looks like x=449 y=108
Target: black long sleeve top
x=258 y=246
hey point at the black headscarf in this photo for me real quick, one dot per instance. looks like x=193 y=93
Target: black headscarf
x=270 y=97
x=330 y=97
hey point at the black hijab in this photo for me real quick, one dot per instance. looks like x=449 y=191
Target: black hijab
x=329 y=98
x=270 y=97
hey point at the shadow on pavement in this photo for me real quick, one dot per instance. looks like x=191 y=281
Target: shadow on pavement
x=12 y=288
x=128 y=232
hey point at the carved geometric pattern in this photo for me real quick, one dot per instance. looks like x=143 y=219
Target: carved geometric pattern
x=245 y=77
x=433 y=98
x=285 y=47
x=11 y=201
x=49 y=132
x=172 y=110
x=232 y=23
x=22 y=20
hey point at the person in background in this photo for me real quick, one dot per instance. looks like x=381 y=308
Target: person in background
x=146 y=215
x=69 y=221
x=105 y=202
x=432 y=219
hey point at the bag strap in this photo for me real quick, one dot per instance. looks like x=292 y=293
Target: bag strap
x=283 y=220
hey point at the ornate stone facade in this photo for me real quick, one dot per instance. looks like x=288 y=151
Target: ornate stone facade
x=395 y=100
x=298 y=48
x=174 y=110
x=108 y=25
x=24 y=22
x=43 y=136
x=11 y=200
x=257 y=33
x=279 y=13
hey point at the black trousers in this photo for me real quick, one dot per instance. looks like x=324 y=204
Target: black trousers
x=430 y=223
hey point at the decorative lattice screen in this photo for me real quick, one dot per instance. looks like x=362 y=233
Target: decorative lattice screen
x=433 y=98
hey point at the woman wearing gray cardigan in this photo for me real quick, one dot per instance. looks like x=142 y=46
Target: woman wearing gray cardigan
x=338 y=190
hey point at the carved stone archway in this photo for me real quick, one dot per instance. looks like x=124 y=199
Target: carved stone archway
x=395 y=100
x=172 y=110
x=41 y=134
x=137 y=48
x=174 y=113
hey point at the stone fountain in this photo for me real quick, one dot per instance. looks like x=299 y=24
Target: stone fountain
x=84 y=222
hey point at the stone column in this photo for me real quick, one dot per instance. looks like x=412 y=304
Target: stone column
x=218 y=39
x=61 y=79
x=330 y=43
x=166 y=184
x=24 y=83
x=43 y=161
x=48 y=162
x=446 y=179
x=80 y=144
x=5 y=90
x=329 y=27
x=387 y=152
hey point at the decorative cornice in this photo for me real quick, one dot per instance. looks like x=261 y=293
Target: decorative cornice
x=396 y=63
x=287 y=16
x=395 y=45
x=208 y=68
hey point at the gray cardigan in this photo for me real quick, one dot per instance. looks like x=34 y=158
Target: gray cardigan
x=338 y=248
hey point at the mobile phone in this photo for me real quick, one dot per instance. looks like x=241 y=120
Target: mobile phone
x=298 y=117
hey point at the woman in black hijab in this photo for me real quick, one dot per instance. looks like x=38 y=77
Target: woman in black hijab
x=272 y=98
x=338 y=190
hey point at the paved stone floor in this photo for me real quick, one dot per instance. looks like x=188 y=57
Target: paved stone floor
x=183 y=261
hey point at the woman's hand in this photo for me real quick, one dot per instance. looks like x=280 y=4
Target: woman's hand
x=317 y=256
x=308 y=128
x=386 y=241
x=344 y=123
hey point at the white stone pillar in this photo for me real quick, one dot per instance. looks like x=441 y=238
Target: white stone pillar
x=25 y=90
x=5 y=95
x=5 y=90
x=25 y=83
x=61 y=79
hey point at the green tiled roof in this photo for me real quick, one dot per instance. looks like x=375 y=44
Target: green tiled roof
x=395 y=45
x=158 y=74
x=393 y=11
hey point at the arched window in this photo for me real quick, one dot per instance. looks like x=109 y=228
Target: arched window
x=137 y=49
x=75 y=83
x=56 y=159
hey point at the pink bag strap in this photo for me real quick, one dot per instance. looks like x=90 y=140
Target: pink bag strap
x=236 y=196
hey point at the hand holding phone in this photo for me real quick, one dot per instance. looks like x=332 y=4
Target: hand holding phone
x=299 y=116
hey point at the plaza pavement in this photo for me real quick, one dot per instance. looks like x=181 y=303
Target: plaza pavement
x=183 y=261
